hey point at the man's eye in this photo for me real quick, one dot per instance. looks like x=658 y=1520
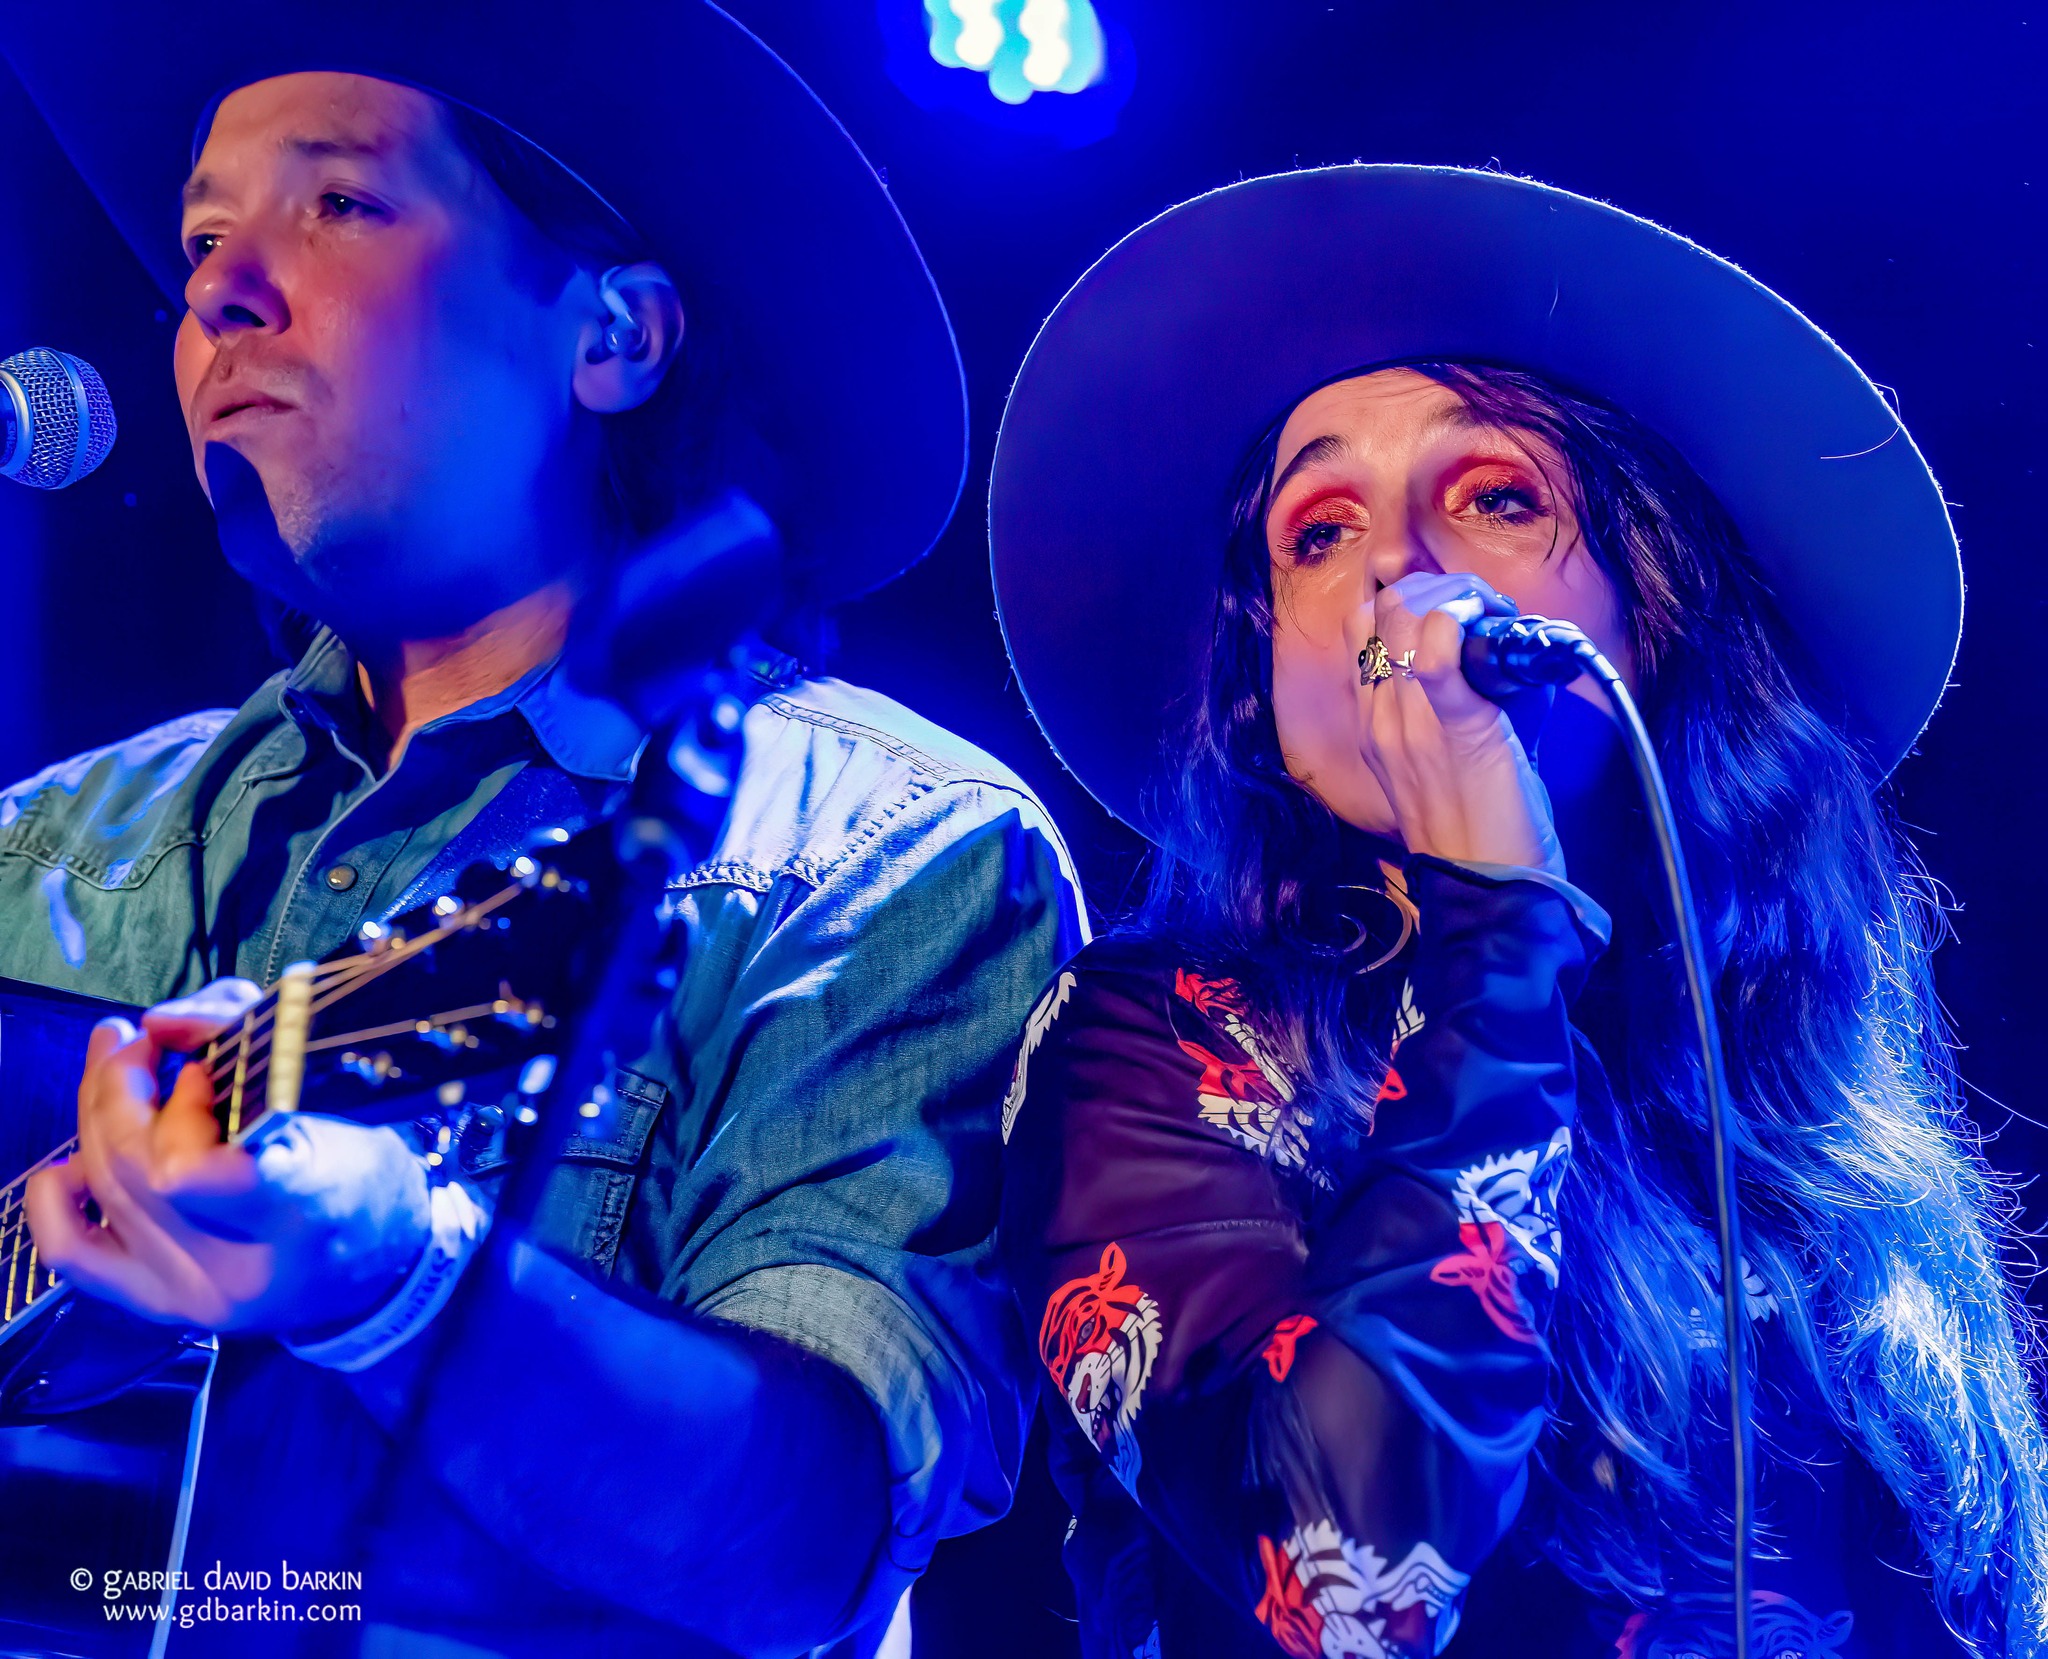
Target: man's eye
x=200 y=248
x=341 y=206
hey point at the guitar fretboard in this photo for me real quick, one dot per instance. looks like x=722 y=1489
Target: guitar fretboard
x=239 y=1065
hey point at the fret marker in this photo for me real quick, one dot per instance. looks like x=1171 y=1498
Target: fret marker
x=290 y=1024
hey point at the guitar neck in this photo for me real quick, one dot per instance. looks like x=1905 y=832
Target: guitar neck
x=257 y=1069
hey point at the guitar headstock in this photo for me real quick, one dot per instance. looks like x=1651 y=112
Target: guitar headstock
x=462 y=999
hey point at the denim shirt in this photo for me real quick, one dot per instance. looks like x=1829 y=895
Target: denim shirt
x=811 y=1148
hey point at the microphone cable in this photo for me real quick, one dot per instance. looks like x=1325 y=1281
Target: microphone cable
x=1507 y=654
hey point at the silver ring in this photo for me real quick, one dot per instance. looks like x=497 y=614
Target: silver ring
x=1405 y=662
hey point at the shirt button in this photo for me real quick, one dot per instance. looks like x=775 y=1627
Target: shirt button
x=341 y=877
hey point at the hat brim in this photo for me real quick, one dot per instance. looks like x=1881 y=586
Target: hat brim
x=1109 y=501
x=705 y=141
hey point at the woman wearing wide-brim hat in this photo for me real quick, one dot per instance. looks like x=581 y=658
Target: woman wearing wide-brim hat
x=1356 y=1269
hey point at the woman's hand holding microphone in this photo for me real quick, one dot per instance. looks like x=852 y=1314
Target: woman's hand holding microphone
x=1457 y=777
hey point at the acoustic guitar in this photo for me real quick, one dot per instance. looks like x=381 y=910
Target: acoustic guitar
x=445 y=1019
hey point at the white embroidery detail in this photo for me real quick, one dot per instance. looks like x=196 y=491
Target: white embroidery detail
x=1704 y=1323
x=1035 y=1028
x=1355 y=1591
x=1518 y=1191
x=1407 y=1018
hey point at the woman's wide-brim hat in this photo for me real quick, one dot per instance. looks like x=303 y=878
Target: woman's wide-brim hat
x=1111 y=495
x=835 y=341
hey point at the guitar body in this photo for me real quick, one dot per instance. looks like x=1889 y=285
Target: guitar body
x=100 y=1489
x=99 y=1412
x=435 y=1021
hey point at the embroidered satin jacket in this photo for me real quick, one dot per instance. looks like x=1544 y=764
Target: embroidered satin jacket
x=1295 y=1373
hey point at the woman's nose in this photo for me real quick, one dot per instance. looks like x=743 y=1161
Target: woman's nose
x=1397 y=548
x=233 y=292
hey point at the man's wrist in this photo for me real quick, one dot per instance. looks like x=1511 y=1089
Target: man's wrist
x=458 y=1221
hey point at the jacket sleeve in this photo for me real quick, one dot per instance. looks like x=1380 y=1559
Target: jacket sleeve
x=1316 y=1361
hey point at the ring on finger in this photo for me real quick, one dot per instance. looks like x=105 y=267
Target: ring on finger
x=1374 y=665
x=1405 y=662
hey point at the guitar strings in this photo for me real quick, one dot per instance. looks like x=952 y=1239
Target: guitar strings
x=245 y=1058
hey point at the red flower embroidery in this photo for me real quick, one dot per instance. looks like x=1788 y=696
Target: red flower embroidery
x=1284 y=1609
x=1392 y=1088
x=1229 y=1079
x=1212 y=996
x=1486 y=1269
x=1279 y=1350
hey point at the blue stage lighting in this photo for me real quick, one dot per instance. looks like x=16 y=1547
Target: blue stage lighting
x=1012 y=50
x=1022 y=46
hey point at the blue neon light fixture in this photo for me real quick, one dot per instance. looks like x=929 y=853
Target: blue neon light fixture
x=1022 y=46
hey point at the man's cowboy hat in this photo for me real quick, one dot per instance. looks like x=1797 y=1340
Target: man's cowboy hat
x=688 y=126
x=1110 y=499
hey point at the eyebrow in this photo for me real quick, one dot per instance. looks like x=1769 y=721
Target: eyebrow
x=200 y=186
x=1311 y=454
x=1330 y=446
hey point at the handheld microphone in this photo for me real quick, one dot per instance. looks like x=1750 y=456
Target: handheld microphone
x=1504 y=655
x=56 y=420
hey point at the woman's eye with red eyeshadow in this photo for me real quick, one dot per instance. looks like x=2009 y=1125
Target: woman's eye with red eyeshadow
x=1502 y=501
x=1316 y=541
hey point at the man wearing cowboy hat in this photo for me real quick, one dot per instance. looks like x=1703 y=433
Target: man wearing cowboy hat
x=466 y=308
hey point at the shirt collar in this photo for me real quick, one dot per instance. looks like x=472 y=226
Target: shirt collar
x=583 y=735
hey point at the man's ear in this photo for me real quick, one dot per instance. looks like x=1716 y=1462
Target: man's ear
x=630 y=339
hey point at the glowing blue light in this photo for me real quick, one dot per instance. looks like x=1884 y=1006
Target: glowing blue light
x=1013 y=50
x=1023 y=46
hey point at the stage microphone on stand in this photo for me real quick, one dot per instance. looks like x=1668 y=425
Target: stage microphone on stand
x=56 y=420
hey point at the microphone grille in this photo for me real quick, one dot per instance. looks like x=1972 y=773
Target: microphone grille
x=63 y=418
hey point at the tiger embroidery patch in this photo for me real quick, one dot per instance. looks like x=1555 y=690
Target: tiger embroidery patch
x=1327 y=1597
x=1099 y=1339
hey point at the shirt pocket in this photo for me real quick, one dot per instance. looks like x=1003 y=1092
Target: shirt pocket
x=582 y=1211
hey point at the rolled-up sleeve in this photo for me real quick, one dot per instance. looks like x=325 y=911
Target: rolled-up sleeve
x=845 y=1066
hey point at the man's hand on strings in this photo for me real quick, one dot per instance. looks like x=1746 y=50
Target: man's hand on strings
x=309 y=1229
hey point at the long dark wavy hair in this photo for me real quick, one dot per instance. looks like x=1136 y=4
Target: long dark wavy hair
x=1871 y=1217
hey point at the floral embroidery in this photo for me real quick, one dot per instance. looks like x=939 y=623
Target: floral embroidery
x=1391 y=1087
x=1518 y=1192
x=1250 y=1100
x=1035 y=1028
x=1279 y=1350
x=1327 y=1597
x=1488 y=1271
x=1407 y=1018
x=1704 y=1323
x=1697 y=1627
x=1149 y=1647
x=1100 y=1338
x=1284 y=1608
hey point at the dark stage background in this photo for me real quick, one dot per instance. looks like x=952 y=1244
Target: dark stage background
x=1881 y=165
